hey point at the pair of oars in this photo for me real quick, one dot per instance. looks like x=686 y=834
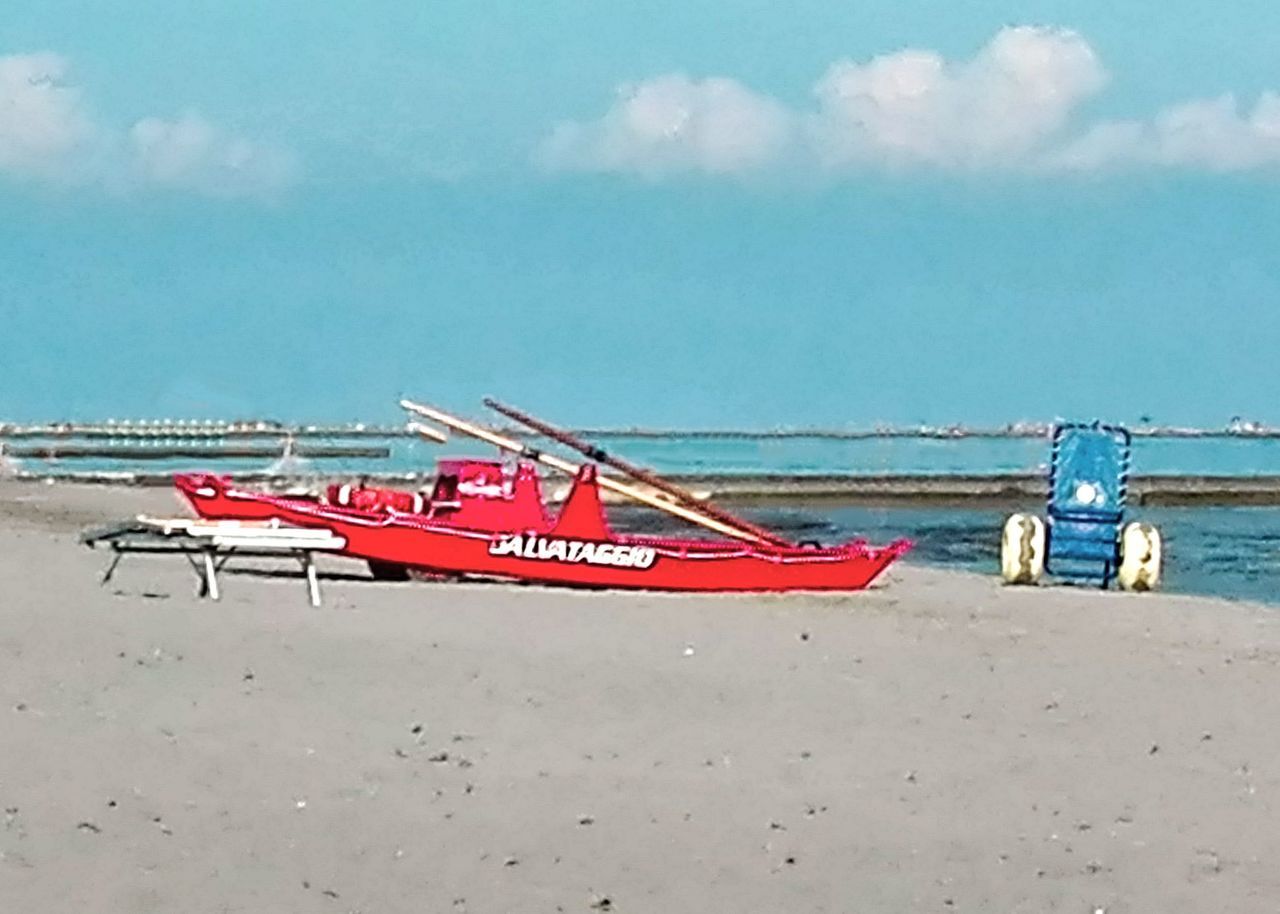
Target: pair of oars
x=699 y=517
x=640 y=474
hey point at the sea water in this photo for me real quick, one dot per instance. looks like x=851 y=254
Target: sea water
x=802 y=455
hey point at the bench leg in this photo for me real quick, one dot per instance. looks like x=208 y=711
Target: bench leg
x=313 y=585
x=210 y=576
x=111 y=569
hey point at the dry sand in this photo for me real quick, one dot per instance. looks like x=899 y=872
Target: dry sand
x=939 y=743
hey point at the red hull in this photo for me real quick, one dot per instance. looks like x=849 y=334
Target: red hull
x=576 y=549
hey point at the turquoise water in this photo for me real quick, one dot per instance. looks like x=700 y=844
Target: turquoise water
x=790 y=455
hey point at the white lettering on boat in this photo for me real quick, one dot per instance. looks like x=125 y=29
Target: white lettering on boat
x=573 y=552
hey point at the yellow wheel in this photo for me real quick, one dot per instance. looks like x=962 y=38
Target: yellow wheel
x=1140 y=557
x=1022 y=548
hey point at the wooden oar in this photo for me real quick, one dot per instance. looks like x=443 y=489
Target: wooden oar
x=564 y=466
x=640 y=474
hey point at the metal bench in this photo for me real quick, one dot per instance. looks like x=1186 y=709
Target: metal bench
x=209 y=545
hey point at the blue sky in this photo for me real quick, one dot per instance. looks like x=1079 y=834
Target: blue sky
x=696 y=213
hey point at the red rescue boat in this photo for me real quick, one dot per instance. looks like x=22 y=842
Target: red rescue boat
x=488 y=519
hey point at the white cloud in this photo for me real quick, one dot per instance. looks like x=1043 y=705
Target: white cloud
x=42 y=121
x=191 y=153
x=1016 y=105
x=915 y=108
x=1211 y=134
x=673 y=123
x=48 y=134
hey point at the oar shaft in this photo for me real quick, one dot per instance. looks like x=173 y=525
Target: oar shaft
x=640 y=474
x=517 y=447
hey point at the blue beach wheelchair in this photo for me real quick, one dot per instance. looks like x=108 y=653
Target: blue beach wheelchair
x=1086 y=538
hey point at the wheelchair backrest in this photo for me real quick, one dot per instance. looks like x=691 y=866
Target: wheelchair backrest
x=1089 y=474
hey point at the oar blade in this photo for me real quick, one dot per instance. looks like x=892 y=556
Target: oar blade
x=426 y=431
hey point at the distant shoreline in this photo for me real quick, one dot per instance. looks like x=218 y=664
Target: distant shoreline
x=904 y=490
x=188 y=429
x=917 y=466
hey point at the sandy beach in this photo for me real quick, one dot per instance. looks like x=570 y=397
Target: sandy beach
x=938 y=743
